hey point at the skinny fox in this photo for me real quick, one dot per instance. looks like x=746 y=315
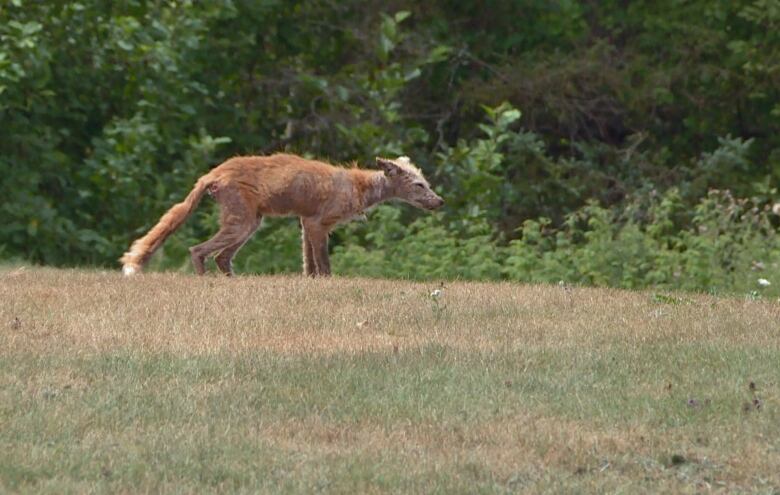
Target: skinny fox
x=250 y=187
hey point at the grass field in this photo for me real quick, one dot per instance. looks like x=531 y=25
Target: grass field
x=178 y=384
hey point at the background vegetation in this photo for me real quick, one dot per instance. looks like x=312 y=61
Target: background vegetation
x=611 y=143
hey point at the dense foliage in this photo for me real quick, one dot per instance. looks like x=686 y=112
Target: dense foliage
x=614 y=143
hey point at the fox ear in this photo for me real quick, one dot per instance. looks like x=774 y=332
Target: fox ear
x=389 y=168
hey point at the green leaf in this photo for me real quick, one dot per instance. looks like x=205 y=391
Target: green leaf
x=385 y=46
x=439 y=54
x=508 y=117
x=401 y=15
x=412 y=74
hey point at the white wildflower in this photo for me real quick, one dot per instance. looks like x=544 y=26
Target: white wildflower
x=436 y=293
x=764 y=282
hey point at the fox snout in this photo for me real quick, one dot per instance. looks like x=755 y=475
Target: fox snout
x=435 y=203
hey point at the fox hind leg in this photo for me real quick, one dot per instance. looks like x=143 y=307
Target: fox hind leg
x=237 y=222
x=224 y=259
x=227 y=236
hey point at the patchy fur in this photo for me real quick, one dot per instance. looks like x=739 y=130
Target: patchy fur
x=247 y=188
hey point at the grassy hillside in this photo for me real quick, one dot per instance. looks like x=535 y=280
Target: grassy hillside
x=180 y=384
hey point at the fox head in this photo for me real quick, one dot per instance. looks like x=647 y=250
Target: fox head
x=408 y=184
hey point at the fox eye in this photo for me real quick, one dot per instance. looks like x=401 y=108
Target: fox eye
x=420 y=185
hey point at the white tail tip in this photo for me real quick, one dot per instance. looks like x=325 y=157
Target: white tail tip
x=129 y=270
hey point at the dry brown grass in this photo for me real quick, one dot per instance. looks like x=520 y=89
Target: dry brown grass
x=375 y=386
x=98 y=312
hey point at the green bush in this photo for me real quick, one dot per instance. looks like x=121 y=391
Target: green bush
x=631 y=116
x=729 y=245
x=425 y=249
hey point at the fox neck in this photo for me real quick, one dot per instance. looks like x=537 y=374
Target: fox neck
x=376 y=189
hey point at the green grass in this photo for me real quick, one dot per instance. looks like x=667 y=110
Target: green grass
x=507 y=389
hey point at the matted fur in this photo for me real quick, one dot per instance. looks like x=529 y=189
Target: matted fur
x=249 y=187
